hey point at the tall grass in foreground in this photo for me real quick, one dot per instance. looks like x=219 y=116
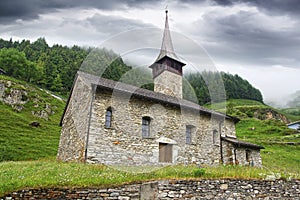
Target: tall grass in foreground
x=45 y=173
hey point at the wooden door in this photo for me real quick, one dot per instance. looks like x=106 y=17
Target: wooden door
x=165 y=152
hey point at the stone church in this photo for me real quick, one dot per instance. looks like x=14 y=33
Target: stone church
x=114 y=123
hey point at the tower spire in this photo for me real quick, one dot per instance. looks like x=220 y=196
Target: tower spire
x=167 y=68
x=167 y=45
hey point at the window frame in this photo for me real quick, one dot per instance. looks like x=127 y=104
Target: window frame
x=108 y=117
x=146 y=122
x=188 y=134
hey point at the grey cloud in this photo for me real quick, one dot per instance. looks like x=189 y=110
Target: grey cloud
x=224 y=2
x=269 y=6
x=11 y=10
x=114 y=24
x=242 y=38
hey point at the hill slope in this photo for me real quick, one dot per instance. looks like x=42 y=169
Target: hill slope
x=292 y=113
x=20 y=105
x=266 y=126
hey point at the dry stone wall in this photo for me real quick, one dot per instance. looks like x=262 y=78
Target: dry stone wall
x=174 y=189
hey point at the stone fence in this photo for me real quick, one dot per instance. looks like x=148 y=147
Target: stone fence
x=173 y=189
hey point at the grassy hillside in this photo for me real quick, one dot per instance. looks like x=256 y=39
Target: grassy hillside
x=292 y=113
x=282 y=145
x=19 y=140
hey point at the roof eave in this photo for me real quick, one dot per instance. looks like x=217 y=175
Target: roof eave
x=239 y=143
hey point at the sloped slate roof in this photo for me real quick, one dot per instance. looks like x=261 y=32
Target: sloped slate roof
x=150 y=95
x=240 y=143
x=167 y=49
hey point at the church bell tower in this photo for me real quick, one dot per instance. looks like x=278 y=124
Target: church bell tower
x=167 y=68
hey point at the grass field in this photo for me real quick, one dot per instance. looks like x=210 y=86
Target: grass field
x=292 y=113
x=50 y=173
x=281 y=144
x=18 y=140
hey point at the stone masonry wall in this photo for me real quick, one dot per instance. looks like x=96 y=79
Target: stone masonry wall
x=75 y=123
x=123 y=143
x=173 y=189
x=168 y=83
x=239 y=157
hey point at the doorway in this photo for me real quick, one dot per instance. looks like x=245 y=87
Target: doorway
x=165 y=152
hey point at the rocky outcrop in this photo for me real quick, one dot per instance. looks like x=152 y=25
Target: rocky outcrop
x=258 y=112
x=268 y=114
x=15 y=97
x=18 y=96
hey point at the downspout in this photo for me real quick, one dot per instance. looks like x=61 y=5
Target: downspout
x=90 y=117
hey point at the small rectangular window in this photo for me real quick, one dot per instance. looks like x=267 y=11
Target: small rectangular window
x=188 y=135
x=108 y=117
x=146 y=127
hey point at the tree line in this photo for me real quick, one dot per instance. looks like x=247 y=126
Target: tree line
x=54 y=68
x=212 y=87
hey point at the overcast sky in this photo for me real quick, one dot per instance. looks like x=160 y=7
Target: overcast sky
x=257 y=39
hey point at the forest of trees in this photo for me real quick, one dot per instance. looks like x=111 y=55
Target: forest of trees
x=220 y=86
x=54 y=68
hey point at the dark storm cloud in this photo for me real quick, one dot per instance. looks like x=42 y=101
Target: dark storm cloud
x=11 y=10
x=270 y=6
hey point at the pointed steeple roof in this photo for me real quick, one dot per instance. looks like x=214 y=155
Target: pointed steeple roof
x=167 y=45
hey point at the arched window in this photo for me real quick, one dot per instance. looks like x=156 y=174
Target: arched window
x=146 y=127
x=108 y=117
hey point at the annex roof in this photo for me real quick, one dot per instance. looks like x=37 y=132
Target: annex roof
x=239 y=143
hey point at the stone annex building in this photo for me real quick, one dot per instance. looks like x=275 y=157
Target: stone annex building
x=119 y=124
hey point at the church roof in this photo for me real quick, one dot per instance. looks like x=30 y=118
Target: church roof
x=240 y=143
x=108 y=84
x=167 y=49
